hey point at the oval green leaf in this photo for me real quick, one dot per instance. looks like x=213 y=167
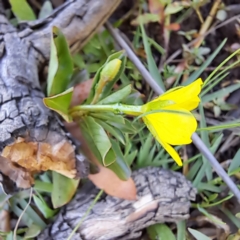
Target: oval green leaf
x=60 y=65
x=119 y=167
x=63 y=189
x=118 y=96
x=60 y=103
x=99 y=137
x=43 y=207
x=22 y=10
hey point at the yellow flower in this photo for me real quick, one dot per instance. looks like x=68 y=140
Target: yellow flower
x=174 y=124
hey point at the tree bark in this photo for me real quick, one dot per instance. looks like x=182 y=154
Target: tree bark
x=31 y=135
x=162 y=196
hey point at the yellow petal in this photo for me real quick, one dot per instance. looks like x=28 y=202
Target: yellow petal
x=172 y=152
x=185 y=97
x=171 y=127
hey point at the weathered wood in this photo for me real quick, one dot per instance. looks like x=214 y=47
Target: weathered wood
x=24 y=121
x=163 y=196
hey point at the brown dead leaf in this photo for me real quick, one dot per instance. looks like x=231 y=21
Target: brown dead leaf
x=156 y=7
x=173 y=27
x=112 y=185
x=5 y=221
x=18 y=175
x=80 y=92
x=36 y=157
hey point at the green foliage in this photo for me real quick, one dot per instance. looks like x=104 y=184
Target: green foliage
x=22 y=10
x=117 y=96
x=160 y=231
x=60 y=65
x=101 y=141
x=151 y=63
x=46 y=9
x=63 y=190
x=198 y=235
x=32 y=232
x=43 y=207
x=18 y=203
x=60 y=103
x=114 y=159
x=107 y=88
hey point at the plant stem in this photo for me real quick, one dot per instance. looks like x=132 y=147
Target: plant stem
x=116 y=108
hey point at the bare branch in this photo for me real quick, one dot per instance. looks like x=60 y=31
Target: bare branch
x=163 y=196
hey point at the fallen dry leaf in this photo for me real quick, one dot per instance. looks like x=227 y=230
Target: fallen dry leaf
x=155 y=6
x=5 y=221
x=18 y=175
x=173 y=27
x=80 y=92
x=108 y=181
x=36 y=157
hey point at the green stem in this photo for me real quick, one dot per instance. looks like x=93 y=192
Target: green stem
x=116 y=108
x=86 y=214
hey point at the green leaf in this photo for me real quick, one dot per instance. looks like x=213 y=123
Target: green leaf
x=109 y=116
x=9 y=236
x=118 y=96
x=63 y=189
x=160 y=231
x=172 y=8
x=43 y=186
x=60 y=65
x=88 y=138
x=43 y=207
x=22 y=10
x=32 y=232
x=220 y=93
x=144 y=151
x=146 y=18
x=235 y=162
x=206 y=168
x=194 y=169
x=110 y=158
x=127 y=127
x=153 y=69
x=198 y=235
x=227 y=125
x=119 y=167
x=46 y=10
x=208 y=186
x=118 y=55
x=113 y=131
x=181 y=230
x=158 y=47
x=30 y=216
x=232 y=218
x=131 y=156
x=100 y=138
x=60 y=103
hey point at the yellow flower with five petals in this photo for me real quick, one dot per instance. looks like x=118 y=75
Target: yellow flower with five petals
x=169 y=119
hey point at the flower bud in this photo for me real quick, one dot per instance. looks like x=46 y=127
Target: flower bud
x=110 y=70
